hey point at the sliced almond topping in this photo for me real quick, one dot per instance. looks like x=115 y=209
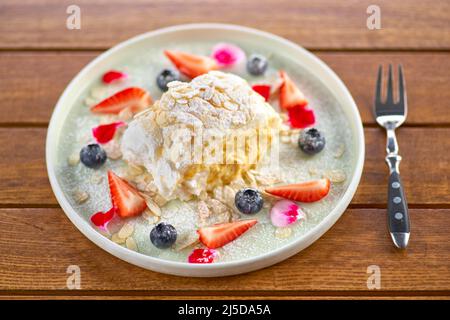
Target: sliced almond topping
x=203 y=210
x=336 y=176
x=186 y=241
x=126 y=230
x=74 y=159
x=229 y=195
x=150 y=217
x=112 y=150
x=340 y=150
x=134 y=171
x=283 y=233
x=80 y=196
x=159 y=200
x=131 y=244
x=115 y=238
x=151 y=205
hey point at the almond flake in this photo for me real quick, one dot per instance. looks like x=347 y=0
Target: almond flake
x=151 y=205
x=187 y=241
x=74 y=159
x=131 y=244
x=115 y=238
x=203 y=210
x=126 y=230
x=150 y=217
x=336 y=176
x=112 y=150
x=160 y=201
x=80 y=196
x=133 y=170
x=340 y=150
x=283 y=233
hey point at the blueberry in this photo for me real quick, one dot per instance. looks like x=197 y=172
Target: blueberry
x=93 y=156
x=257 y=64
x=163 y=235
x=248 y=201
x=311 y=141
x=166 y=76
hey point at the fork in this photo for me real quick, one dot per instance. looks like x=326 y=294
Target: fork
x=390 y=115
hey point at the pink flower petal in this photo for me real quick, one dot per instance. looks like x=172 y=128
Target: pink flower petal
x=113 y=76
x=285 y=212
x=262 y=89
x=105 y=132
x=101 y=219
x=227 y=54
x=301 y=117
x=203 y=256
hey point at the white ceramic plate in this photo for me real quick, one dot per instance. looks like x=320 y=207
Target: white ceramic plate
x=316 y=77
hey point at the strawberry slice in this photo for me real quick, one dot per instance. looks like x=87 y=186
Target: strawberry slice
x=191 y=65
x=309 y=191
x=134 y=98
x=219 y=235
x=290 y=94
x=125 y=198
x=262 y=89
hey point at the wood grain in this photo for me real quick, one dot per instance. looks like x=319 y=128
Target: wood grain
x=39 y=244
x=322 y=24
x=425 y=168
x=30 y=90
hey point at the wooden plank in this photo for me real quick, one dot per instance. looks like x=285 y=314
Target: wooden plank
x=425 y=167
x=319 y=24
x=29 y=91
x=95 y=295
x=39 y=244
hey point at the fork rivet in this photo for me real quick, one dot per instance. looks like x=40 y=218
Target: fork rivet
x=395 y=185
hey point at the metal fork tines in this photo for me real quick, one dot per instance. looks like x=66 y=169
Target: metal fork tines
x=391 y=114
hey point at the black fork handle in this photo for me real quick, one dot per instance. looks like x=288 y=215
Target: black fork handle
x=398 y=216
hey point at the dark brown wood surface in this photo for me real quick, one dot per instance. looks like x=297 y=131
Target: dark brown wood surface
x=39 y=56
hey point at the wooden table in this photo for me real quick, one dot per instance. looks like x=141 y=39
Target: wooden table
x=39 y=56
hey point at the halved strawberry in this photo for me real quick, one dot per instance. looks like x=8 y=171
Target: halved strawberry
x=125 y=198
x=309 y=191
x=290 y=94
x=191 y=65
x=134 y=98
x=262 y=89
x=219 y=235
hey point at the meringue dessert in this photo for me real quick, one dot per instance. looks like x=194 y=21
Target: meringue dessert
x=187 y=140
